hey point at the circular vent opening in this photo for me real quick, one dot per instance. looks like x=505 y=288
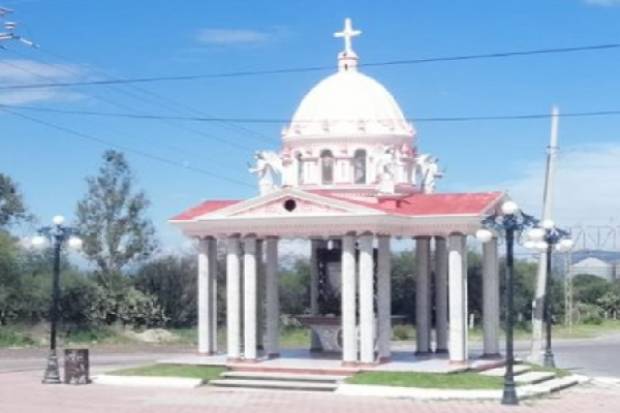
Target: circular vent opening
x=290 y=205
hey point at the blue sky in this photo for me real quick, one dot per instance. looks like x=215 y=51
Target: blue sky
x=95 y=39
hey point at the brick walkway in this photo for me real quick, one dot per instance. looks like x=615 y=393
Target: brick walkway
x=21 y=392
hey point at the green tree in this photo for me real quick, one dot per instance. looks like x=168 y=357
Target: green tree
x=111 y=219
x=294 y=288
x=403 y=284
x=12 y=208
x=610 y=302
x=589 y=288
x=172 y=281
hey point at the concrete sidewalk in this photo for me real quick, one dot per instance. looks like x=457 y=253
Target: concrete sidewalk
x=22 y=392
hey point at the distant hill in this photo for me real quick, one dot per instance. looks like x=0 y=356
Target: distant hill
x=607 y=256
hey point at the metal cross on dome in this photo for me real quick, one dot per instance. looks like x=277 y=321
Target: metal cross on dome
x=348 y=33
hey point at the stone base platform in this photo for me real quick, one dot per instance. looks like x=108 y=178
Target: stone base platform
x=305 y=361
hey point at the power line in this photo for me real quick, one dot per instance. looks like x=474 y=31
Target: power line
x=231 y=143
x=134 y=151
x=496 y=55
x=532 y=116
x=163 y=101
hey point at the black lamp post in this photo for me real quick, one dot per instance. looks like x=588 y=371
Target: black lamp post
x=547 y=238
x=56 y=234
x=509 y=222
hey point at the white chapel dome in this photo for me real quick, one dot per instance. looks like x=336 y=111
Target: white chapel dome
x=348 y=104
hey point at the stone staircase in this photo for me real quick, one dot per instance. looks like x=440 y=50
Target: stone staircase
x=525 y=378
x=278 y=380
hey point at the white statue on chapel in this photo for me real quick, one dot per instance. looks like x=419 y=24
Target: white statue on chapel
x=386 y=166
x=268 y=169
x=426 y=173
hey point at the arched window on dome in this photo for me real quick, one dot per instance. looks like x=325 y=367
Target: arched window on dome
x=359 y=166
x=300 y=168
x=327 y=167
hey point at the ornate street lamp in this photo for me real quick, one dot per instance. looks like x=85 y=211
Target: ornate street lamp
x=57 y=235
x=545 y=238
x=511 y=221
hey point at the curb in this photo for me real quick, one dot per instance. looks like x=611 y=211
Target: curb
x=148 y=381
x=417 y=393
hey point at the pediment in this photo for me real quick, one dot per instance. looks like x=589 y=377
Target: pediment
x=288 y=203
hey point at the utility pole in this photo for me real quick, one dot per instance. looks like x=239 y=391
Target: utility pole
x=541 y=279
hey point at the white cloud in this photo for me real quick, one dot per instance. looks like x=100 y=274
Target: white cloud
x=16 y=71
x=226 y=37
x=603 y=3
x=587 y=185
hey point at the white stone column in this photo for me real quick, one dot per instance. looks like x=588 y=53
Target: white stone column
x=260 y=295
x=457 y=280
x=315 y=344
x=423 y=295
x=384 y=297
x=490 y=299
x=249 y=298
x=366 y=297
x=213 y=290
x=348 y=288
x=272 y=305
x=206 y=274
x=441 y=295
x=233 y=299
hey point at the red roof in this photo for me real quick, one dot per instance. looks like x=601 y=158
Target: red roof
x=409 y=205
x=203 y=208
x=425 y=204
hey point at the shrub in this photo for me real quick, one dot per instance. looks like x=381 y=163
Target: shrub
x=401 y=332
x=589 y=313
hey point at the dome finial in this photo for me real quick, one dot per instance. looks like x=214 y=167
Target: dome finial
x=347 y=58
x=348 y=33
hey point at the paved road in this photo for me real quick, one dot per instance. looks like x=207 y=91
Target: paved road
x=595 y=357
x=22 y=392
x=592 y=357
x=20 y=360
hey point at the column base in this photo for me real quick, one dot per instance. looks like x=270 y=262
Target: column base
x=367 y=364
x=423 y=353
x=441 y=351
x=350 y=364
x=491 y=356
x=206 y=353
x=458 y=363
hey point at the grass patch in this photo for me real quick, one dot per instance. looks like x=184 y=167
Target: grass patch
x=172 y=370
x=583 y=330
x=558 y=372
x=462 y=381
x=12 y=338
x=292 y=337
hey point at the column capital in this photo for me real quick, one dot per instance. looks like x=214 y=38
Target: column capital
x=203 y=244
x=232 y=243
x=249 y=244
x=365 y=240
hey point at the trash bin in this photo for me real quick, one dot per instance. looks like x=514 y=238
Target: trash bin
x=77 y=368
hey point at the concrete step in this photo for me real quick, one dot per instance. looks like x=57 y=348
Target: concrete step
x=534 y=377
x=501 y=371
x=274 y=384
x=277 y=376
x=560 y=383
